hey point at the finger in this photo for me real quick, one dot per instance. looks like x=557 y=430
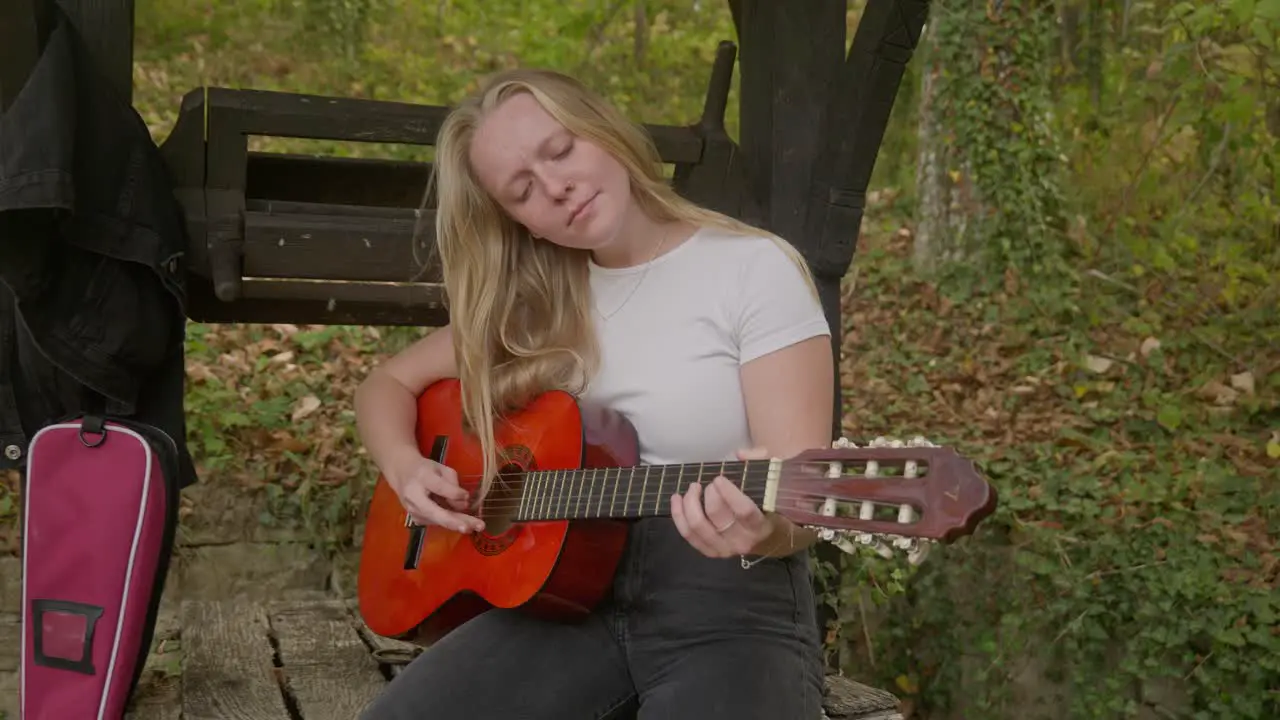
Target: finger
x=736 y=503
x=429 y=512
x=747 y=526
x=682 y=526
x=444 y=482
x=717 y=509
x=754 y=453
x=700 y=526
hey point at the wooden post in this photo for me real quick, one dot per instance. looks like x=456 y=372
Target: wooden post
x=811 y=123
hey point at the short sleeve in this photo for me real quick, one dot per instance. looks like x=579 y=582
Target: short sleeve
x=776 y=307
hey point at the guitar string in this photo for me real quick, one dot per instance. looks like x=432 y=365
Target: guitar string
x=592 y=494
x=561 y=502
x=635 y=504
x=747 y=465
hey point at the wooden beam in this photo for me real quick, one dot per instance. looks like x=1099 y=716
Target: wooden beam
x=106 y=27
x=853 y=127
x=789 y=56
x=782 y=110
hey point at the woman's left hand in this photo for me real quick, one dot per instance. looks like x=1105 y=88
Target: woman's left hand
x=721 y=521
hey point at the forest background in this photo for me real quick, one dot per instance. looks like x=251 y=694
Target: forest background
x=1069 y=270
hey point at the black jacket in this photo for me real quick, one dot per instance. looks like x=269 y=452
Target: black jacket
x=92 y=243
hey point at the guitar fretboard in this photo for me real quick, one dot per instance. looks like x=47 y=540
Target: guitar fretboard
x=629 y=492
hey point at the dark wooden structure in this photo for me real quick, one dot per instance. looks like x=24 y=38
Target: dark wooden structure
x=301 y=239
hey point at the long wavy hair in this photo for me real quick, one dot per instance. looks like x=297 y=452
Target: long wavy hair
x=520 y=306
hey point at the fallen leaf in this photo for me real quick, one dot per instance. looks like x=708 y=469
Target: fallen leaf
x=1243 y=382
x=284 y=357
x=1149 y=346
x=1098 y=364
x=305 y=407
x=1217 y=393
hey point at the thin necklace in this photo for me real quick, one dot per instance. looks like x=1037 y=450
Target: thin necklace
x=636 y=286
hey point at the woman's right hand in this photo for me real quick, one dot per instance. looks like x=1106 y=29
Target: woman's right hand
x=422 y=484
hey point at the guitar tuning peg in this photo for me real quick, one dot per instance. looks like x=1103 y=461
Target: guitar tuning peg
x=917 y=554
x=845 y=544
x=874 y=543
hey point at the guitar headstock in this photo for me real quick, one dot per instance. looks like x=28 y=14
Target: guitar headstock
x=908 y=494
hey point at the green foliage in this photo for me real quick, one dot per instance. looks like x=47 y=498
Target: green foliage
x=994 y=107
x=1126 y=408
x=1132 y=559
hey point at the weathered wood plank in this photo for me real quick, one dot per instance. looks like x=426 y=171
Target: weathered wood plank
x=327 y=668
x=9 y=694
x=851 y=700
x=390 y=653
x=336 y=245
x=229 y=672
x=10 y=641
x=158 y=695
x=204 y=306
x=11 y=590
x=324 y=117
x=10 y=649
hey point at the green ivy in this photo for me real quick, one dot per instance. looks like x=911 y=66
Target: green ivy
x=994 y=107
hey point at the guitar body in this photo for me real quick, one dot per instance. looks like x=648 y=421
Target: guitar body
x=419 y=583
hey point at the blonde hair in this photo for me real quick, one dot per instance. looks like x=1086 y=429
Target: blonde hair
x=520 y=307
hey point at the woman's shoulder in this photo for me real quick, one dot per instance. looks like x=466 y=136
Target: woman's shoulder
x=740 y=250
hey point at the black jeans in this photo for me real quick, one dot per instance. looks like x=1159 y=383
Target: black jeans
x=681 y=637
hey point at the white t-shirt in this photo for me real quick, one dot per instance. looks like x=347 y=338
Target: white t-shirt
x=671 y=355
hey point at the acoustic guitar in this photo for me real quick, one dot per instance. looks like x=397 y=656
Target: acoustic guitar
x=556 y=517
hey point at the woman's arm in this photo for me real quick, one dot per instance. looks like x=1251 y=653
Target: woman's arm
x=386 y=401
x=789 y=397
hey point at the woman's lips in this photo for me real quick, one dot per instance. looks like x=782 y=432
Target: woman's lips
x=582 y=209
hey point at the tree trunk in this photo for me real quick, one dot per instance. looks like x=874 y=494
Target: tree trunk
x=940 y=220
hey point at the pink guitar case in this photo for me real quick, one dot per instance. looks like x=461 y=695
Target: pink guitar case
x=99 y=513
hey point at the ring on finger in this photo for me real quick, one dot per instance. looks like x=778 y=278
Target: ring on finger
x=728 y=525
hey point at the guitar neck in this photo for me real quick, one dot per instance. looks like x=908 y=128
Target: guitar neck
x=634 y=492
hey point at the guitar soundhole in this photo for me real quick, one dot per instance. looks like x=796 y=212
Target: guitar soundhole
x=498 y=509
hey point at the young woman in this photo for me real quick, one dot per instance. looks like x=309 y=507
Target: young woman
x=570 y=263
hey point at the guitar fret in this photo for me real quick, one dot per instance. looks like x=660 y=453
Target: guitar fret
x=595 y=483
x=613 y=502
x=643 y=486
x=553 y=507
x=532 y=485
x=657 y=500
x=576 y=496
x=626 y=499
x=571 y=495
